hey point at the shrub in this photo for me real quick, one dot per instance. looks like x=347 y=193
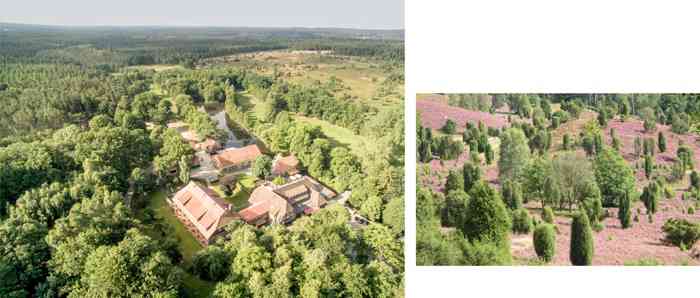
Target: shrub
x=598 y=226
x=522 y=223
x=680 y=123
x=450 y=127
x=544 y=240
x=548 y=215
x=644 y=262
x=691 y=210
x=494 y=132
x=681 y=232
x=581 y=253
x=669 y=192
x=484 y=254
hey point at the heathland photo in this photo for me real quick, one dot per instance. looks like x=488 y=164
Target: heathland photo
x=557 y=179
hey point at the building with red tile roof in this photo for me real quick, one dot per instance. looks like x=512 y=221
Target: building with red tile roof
x=236 y=159
x=285 y=166
x=202 y=211
x=273 y=203
x=209 y=145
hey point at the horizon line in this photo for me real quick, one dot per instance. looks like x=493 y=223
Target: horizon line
x=197 y=26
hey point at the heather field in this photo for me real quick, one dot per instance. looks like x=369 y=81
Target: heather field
x=434 y=114
x=628 y=130
x=615 y=246
x=437 y=170
x=641 y=243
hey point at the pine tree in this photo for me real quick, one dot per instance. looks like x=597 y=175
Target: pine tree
x=662 y=142
x=695 y=180
x=489 y=154
x=455 y=181
x=581 y=253
x=602 y=118
x=650 y=197
x=512 y=194
x=624 y=213
x=544 y=240
x=548 y=215
x=648 y=166
x=471 y=175
x=638 y=146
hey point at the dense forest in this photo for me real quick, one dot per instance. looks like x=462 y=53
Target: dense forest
x=84 y=142
x=542 y=168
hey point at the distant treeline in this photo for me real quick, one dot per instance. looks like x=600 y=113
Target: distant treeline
x=116 y=47
x=387 y=50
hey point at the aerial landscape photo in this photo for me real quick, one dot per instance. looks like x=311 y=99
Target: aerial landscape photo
x=557 y=179
x=203 y=161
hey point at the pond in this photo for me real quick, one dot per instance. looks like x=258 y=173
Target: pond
x=217 y=113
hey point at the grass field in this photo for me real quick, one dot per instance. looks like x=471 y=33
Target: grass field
x=155 y=67
x=359 y=145
x=187 y=244
x=362 y=79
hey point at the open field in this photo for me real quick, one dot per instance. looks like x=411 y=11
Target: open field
x=343 y=136
x=155 y=67
x=355 y=78
x=434 y=115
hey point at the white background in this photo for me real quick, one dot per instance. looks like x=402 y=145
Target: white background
x=546 y=46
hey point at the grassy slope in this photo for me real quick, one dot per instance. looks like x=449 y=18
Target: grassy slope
x=342 y=136
x=359 y=145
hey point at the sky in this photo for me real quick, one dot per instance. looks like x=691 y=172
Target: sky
x=358 y=14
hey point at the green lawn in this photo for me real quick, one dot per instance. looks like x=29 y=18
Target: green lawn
x=252 y=103
x=359 y=145
x=239 y=198
x=187 y=244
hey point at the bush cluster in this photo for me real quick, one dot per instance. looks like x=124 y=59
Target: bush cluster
x=522 y=223
x=681 y=232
